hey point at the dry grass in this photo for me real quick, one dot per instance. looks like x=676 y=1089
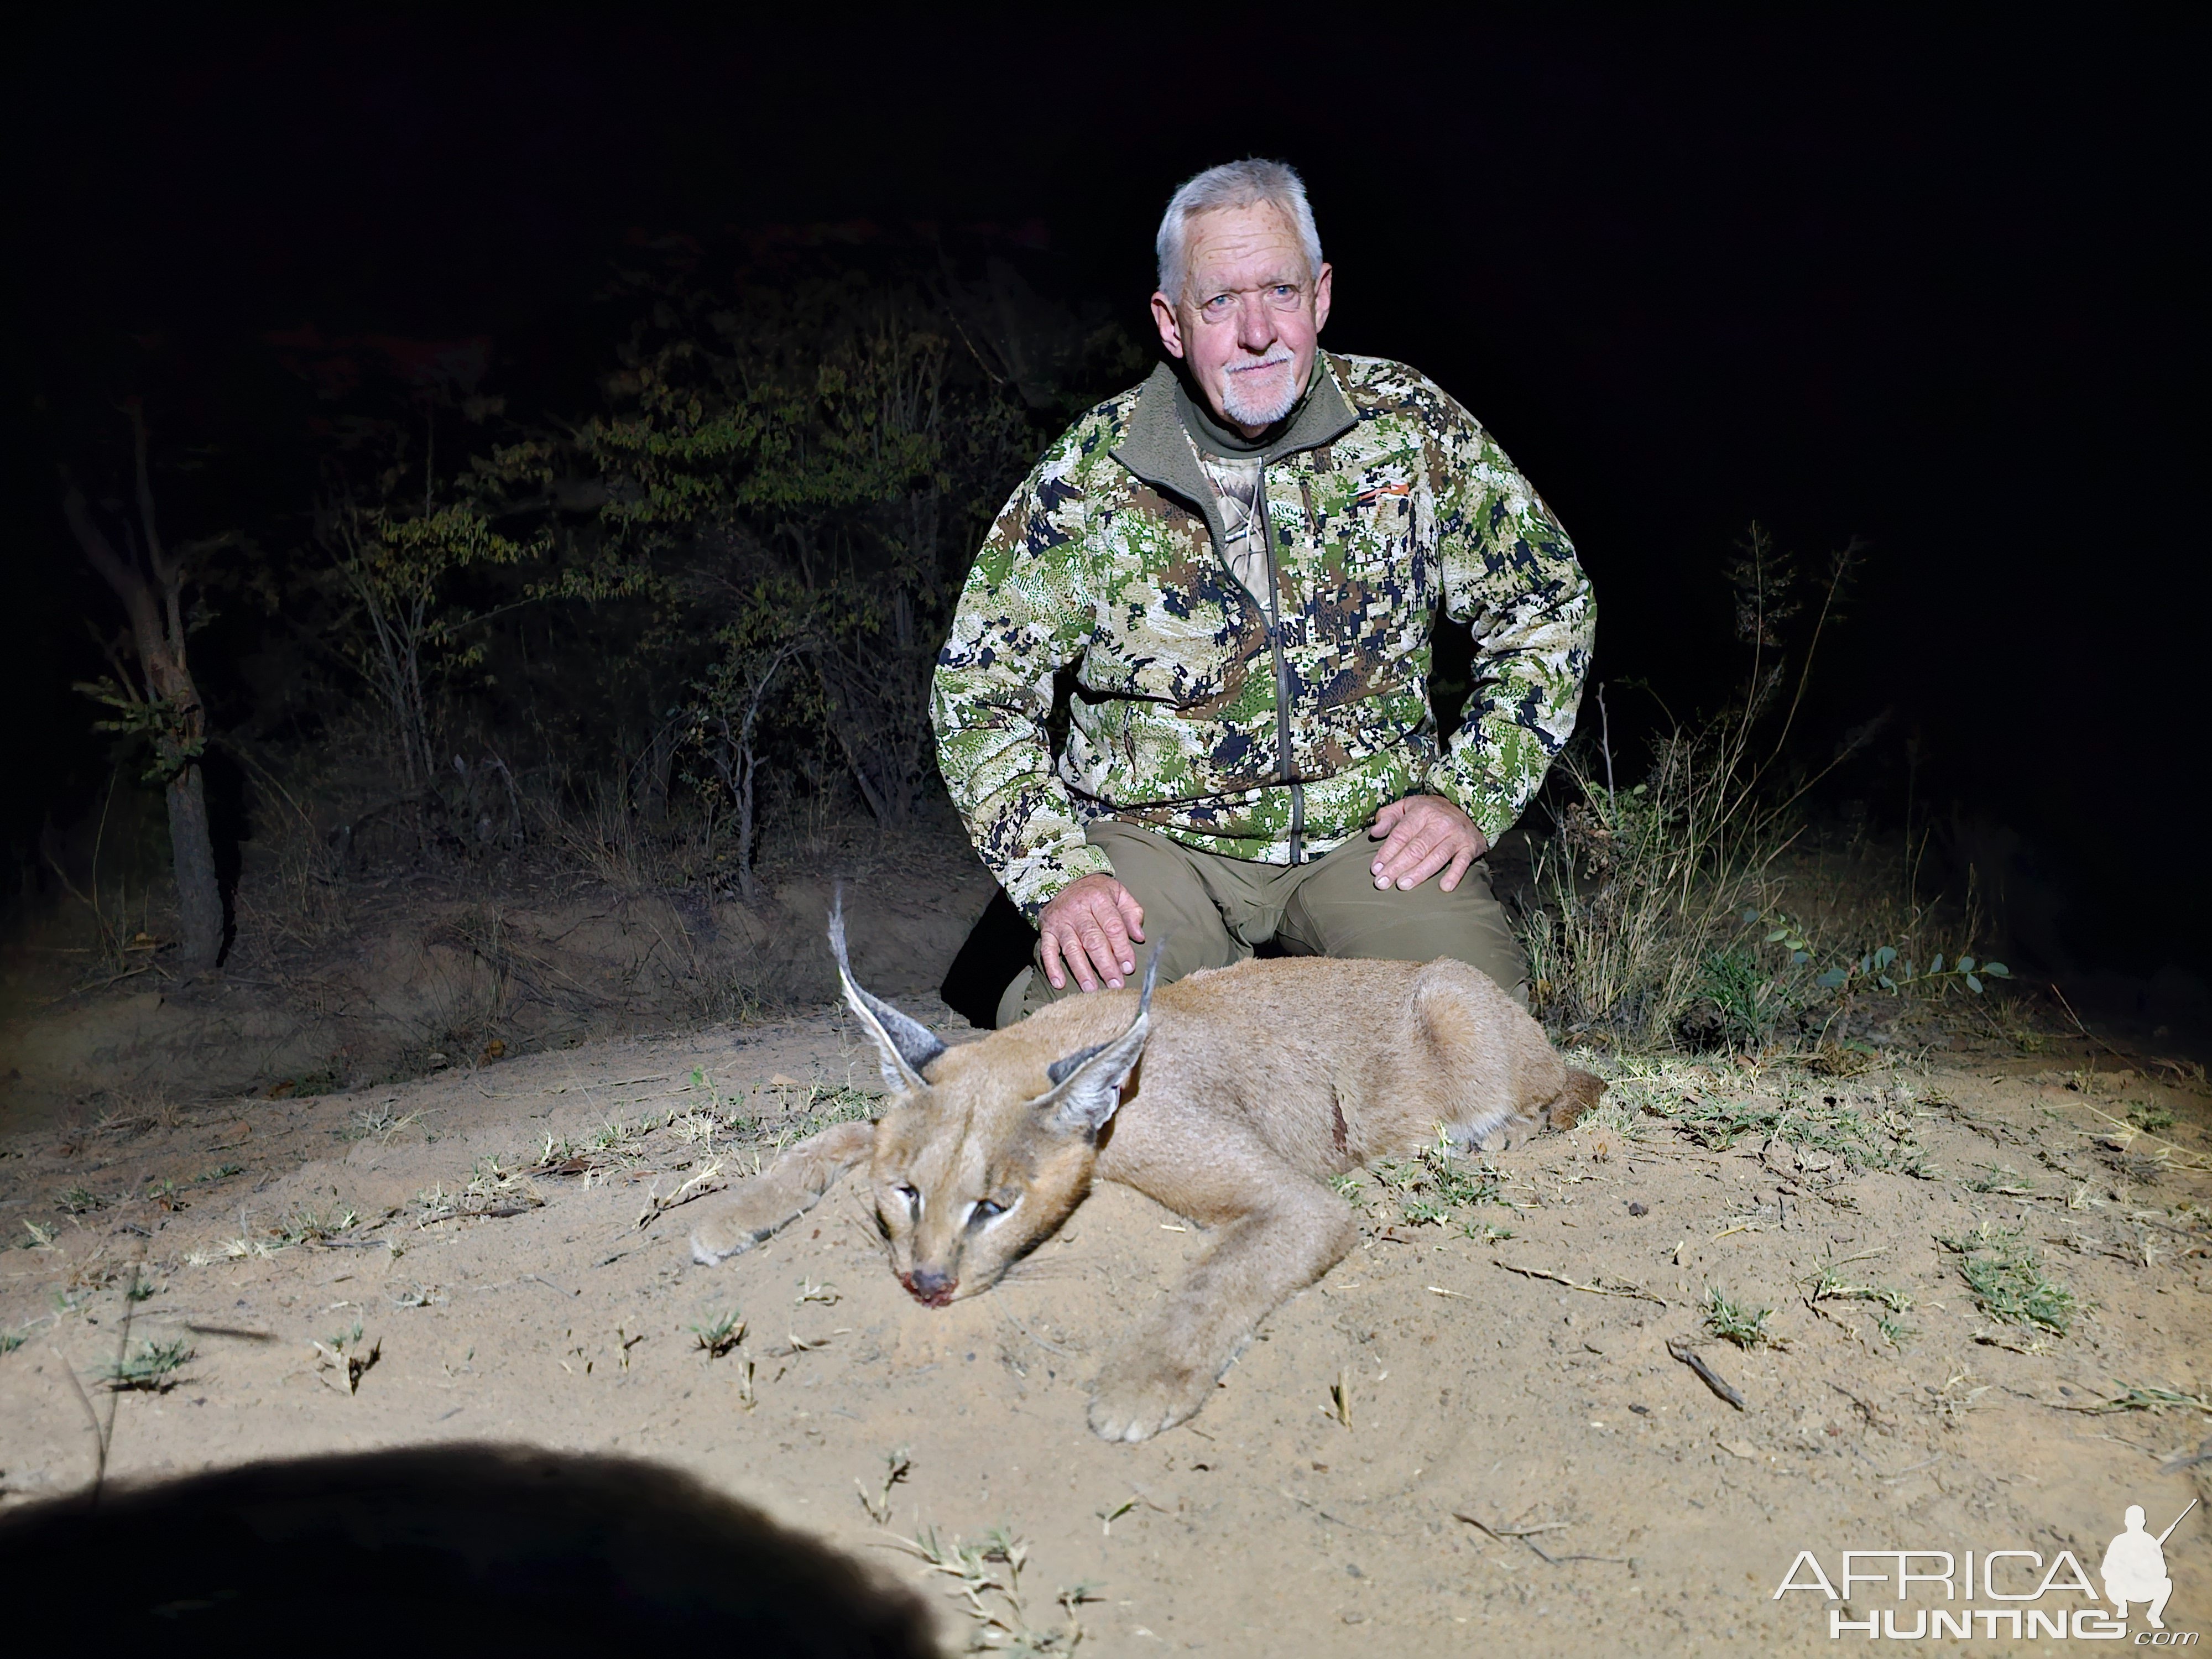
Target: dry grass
x=1690 y=909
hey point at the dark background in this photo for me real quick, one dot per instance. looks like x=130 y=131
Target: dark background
x=1938 y=286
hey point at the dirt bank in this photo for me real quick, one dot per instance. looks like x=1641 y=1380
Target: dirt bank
x=1473 y=1426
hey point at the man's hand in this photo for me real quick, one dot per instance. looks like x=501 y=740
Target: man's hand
x=1420 y=835
x=1087 y=926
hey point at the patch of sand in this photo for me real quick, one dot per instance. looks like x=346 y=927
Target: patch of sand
x=1482 y=1402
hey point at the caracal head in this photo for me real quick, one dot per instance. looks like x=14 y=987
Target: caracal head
x=982 y=1150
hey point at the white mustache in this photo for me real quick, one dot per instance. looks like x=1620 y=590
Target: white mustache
x=1265 y=362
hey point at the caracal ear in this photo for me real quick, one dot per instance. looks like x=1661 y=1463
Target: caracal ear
x=1087 y=1084
x=903 y=1046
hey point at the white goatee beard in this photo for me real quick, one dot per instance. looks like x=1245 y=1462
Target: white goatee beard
x=1240 y=401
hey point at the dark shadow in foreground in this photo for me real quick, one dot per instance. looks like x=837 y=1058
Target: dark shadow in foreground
x=525 y=1544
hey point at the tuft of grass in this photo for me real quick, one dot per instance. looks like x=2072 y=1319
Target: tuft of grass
x=378 y=1123
x=988 y=1584
x=2150 y=1119
x=2153 y=1399
x=1429 y=1186
x=308 y=1222
x=823 y=1106
x=152 y=1368
x=2008 y=1284
x=720 y=1334
x=897 y=1466
x=696 y=1128
x=1831 y=1284
x=1339 y=1408
x=1732 y=1322
x=81 y=1201
x=1796 y=1117
x=342 y=1353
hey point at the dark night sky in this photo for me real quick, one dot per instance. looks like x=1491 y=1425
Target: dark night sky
x=1939 y=286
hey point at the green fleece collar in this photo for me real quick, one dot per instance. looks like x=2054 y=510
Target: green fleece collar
x=1156 y=447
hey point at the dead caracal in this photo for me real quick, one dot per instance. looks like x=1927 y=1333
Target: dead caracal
x=1231 y=1097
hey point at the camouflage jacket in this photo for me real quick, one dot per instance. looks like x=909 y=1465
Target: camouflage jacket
x=1263 y=726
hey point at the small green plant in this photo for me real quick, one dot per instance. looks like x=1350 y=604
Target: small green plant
x=1822 y=1122
x=2007 y=1282
x=1882 y=969
x=2150 y=1119
x=152 y=1368
x=720 y=1334
x=1483 y=1233
x=342 y=1353
x=11 y=1341
x=1421 y=1212
x=80 y=1200
x=1454 y=1186
x=898 y=1465
x=1348 y=1188
x=2153 y=1399
x=1732 y=1322
x=221 y=1172
x=1738 y=1002
x=1832 y=1284
x=1999 y=1178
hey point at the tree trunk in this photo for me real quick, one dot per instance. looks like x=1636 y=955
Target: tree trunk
x=191 y=849
x=150 y=583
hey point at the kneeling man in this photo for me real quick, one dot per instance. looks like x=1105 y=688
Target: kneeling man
x=1242 y=560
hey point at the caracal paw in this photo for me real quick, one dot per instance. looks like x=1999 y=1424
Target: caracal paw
x=751 y=1218
x=1516 y=1131
x=1140 y=1393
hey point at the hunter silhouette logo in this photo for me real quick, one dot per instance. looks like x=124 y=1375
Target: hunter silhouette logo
x=2133 y=1570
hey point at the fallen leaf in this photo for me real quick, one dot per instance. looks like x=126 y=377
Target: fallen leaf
x=1739 y=1448
x=779 y=1081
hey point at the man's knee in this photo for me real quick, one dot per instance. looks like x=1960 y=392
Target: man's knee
x=1339 y=912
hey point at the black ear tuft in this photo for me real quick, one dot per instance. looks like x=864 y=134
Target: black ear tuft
x=1059 y=1069
x=906 y=1044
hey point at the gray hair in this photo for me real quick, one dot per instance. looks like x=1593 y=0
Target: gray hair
x=1233 y=185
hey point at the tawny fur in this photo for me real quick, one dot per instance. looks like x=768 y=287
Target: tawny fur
x=1256 y=1084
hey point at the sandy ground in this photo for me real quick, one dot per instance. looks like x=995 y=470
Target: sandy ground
x=1441 y=1444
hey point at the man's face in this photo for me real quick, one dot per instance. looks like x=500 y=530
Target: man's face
x=1249 y=317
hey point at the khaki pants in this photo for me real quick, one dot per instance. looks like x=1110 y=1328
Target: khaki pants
x=1211 y=910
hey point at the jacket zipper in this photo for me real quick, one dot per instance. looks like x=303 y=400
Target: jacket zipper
x=1285 y=772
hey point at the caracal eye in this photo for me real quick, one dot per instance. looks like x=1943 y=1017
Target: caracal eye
x=983 y=1210
x=907 y=1191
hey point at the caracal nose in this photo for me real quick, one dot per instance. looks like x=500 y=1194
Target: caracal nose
x=931 y=1285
